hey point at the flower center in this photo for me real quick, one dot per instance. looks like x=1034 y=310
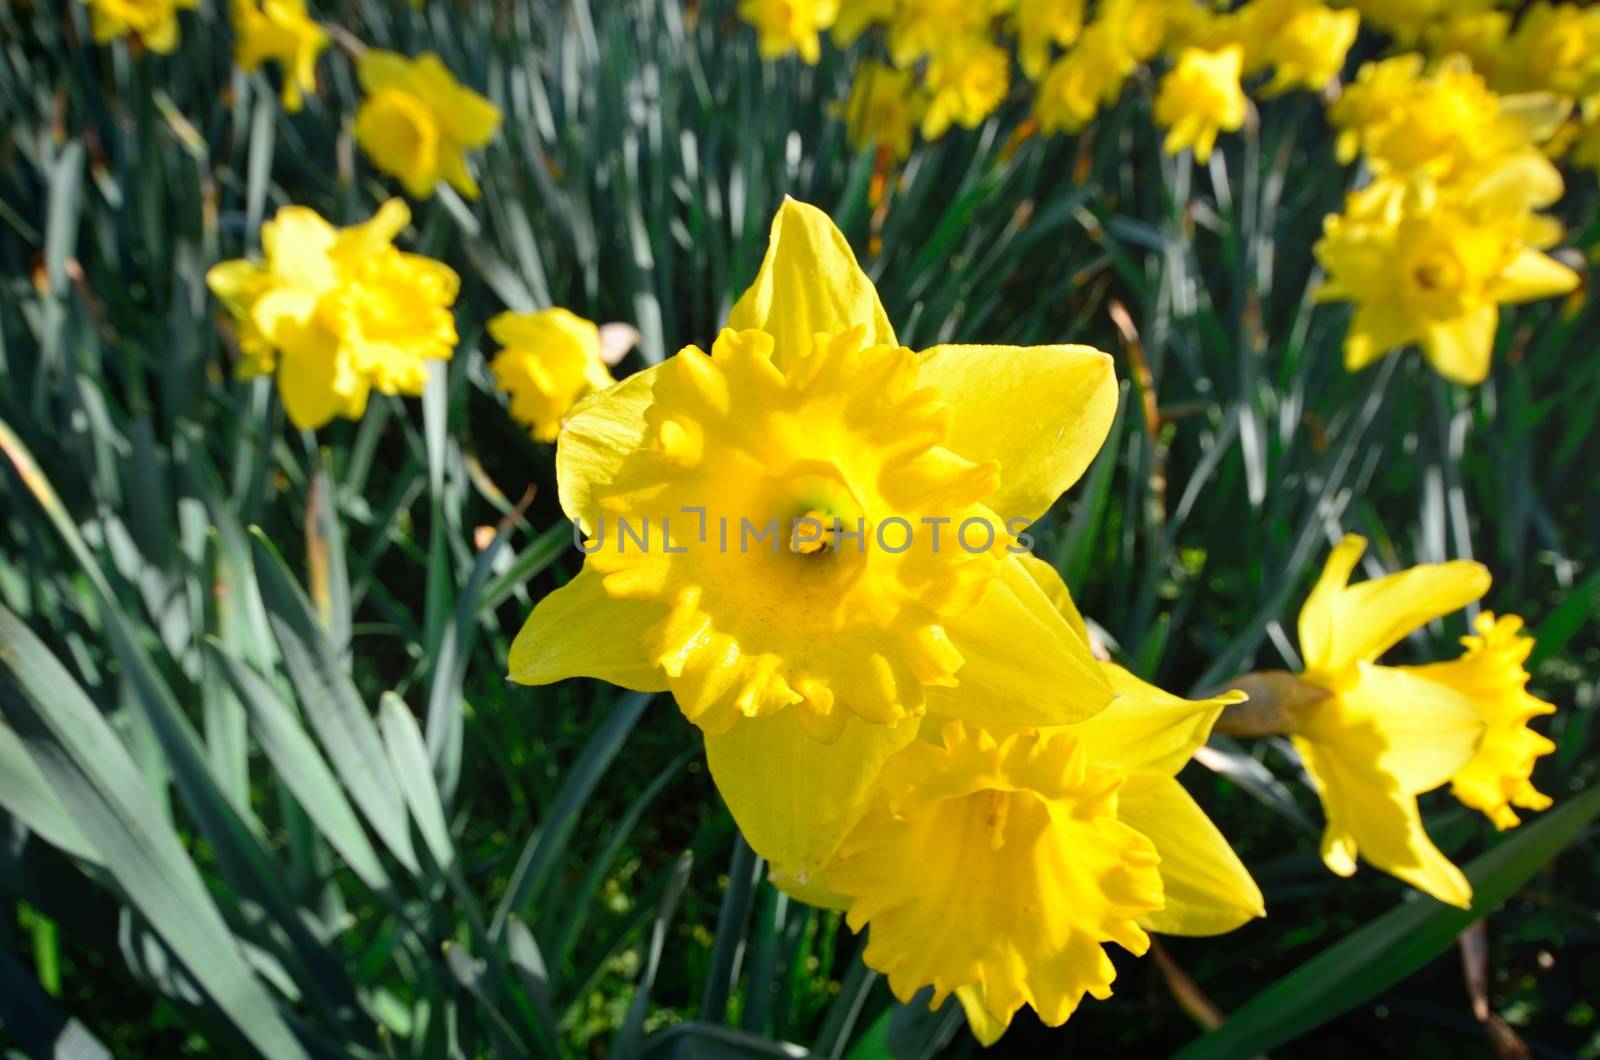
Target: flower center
x=802 y=568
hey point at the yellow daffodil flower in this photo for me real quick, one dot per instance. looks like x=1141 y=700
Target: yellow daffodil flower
x=280 y=31
x=1382 y=735
x=154 y=22
x=1434 y=270
x=338 y=312
x=1035 y=848
x=785 y=26
x=1077 y=84
x=967 y=79
x=809 y=652
x=1304 y=42
x=1490 y=675
x=1408 y=20
x=921 y=27
x=856 y=15
x=417 y=121
x=1199 y=97
x=1555 y=48
x=884 y=109
x=1043 y=25
x=550 y=360
x=1445 y=123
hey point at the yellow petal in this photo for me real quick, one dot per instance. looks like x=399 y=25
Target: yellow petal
x=1343 y=624
x=1041 y=411
x=599 y=433
x=317 y=383
x=379 y=69
x=1146 y=729
x=1208 y=890
x=470 y=118
x=985 y=1025
x=1460 y=349
x=296 y=243
x=1534 y=275
x=579 y=631
x=1369 y=814
x=1025 y=666
x=809 y=283
x=794 y=797
x=1055 y=590
x=1419 y=732
x=813 y=891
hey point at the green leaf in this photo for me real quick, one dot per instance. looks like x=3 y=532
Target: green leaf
x=544 y=848
x=332 y=706
x=100 y=786
x=630 y=1038
x=408 y=756
x=705 y=1041
x=1362 y=965
x=26 y=795
x=302 y=769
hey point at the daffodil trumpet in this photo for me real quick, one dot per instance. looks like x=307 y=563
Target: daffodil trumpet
x=1035 y=848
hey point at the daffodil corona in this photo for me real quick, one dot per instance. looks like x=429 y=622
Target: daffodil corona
x=1034 y=848
x=808 y=536
x=417 y=121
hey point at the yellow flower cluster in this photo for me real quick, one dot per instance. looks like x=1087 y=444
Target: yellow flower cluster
x=337 y=312
x=874 y=696
x=1076 y=55
x=1448 y=229
x=417 y=122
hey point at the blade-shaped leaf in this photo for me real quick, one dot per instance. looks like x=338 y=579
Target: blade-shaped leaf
x=332 y=706
x=99 y=785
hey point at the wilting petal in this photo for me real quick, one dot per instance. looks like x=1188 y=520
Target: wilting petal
x=1025 y=666
x=1208 y=890
x=809 y=283
x=1041 y=411
x=1343 y=624
x=579 y=631
x=794 y=797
